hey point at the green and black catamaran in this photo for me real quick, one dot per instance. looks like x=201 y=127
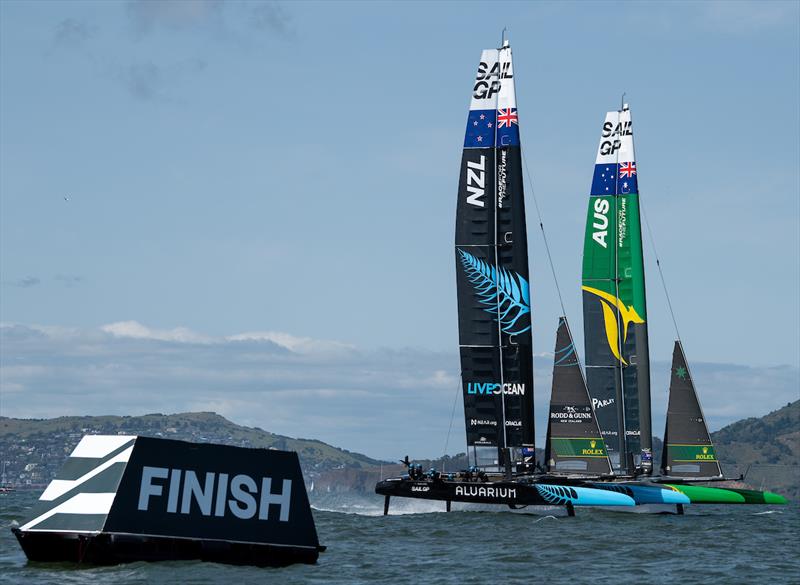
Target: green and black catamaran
x=616 y=342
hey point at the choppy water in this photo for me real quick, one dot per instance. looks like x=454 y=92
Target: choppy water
x=710 y=544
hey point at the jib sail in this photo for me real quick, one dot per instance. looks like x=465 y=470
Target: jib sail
x=614 y=308
x=688 y=451
x=574 y=443
x=492 y=270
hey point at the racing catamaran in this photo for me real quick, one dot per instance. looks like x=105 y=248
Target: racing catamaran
x=599 y=439
x=494 y=317
x=616 y=344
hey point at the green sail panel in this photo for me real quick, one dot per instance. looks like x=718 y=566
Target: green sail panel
x=688 y=451
x=574 y=443
x=614 y=306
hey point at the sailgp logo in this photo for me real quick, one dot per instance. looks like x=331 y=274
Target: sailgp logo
x=505 y=293
x=488 y=81
x=613 y=306
x=488 y=388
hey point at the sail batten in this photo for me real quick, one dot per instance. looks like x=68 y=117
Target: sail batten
x=492 y=277
x=614 y=305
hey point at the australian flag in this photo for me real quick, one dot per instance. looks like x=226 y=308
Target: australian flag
x=614 y=179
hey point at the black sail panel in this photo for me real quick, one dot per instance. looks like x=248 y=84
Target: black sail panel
x=574 y=442
x=688 y=451
x=492 y=270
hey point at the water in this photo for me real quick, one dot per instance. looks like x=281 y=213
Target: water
x=420 y=543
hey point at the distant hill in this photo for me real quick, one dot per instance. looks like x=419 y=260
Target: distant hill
x=769 y=446
x=34 y=449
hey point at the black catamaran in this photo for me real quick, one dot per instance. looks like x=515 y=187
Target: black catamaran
x=494 y=316
x=491 y=248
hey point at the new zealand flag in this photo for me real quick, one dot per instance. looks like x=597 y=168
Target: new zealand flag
x=614 y=179
x=480 y=129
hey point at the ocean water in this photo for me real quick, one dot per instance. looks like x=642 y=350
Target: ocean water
x=420 y=543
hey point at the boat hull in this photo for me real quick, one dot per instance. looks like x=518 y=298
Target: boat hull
x=510 y=493
x=105 y=548
x=646 y=494
x=712 y=495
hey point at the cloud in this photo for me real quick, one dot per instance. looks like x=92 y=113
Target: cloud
x=303 y=345
x=748 y=16
x=135 y=330
x=384 y=403
x=148 y=81
x=145 y=16
x=223 y=20
x=140 y=64
x=269 y=16
x=73 y=33
x=25 y=282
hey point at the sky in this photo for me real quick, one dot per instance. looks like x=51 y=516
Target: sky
x=248 y=207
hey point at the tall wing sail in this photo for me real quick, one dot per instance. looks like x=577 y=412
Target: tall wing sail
x=574 y=442
x=494 y=311
x=688 y=451
x=614 y=308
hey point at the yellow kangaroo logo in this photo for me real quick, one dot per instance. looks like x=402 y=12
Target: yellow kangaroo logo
x=628 y=314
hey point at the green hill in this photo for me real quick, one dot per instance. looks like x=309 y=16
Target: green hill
x=34 y=449
x=769 y=446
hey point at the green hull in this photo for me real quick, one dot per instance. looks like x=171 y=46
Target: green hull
x=757 y=497
x=710 y=495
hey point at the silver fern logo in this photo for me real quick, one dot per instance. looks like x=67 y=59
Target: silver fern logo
x=505 y=293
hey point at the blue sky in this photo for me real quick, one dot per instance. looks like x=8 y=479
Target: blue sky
x=283 y=175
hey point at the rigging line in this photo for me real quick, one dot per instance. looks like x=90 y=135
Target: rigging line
x=541 y=227
x=660 y=272
x=621 y=414
x=496 y=254
x=450 y=428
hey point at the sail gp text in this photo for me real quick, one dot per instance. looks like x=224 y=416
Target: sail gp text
x=487 y=388
x=487 y=81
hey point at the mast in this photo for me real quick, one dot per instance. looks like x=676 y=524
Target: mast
x=574 y=443
x=492 y=271
x=614 y=305
x=688 y=451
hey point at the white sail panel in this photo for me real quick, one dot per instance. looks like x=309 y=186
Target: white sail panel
x=616 y=139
